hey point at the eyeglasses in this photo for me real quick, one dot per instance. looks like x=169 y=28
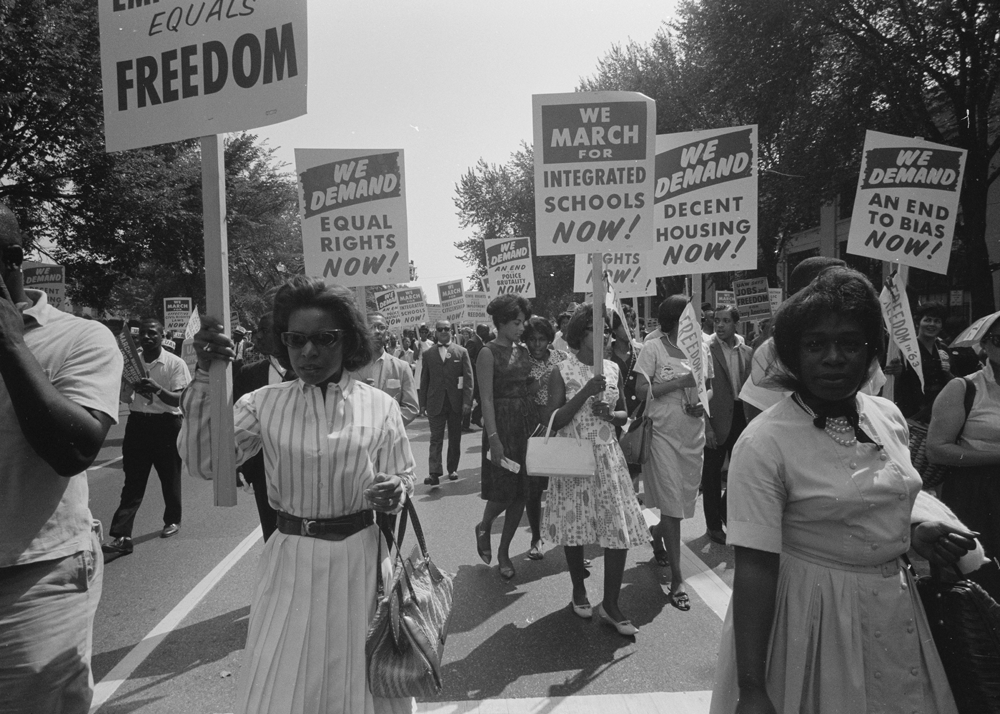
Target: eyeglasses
x=991 y=340
x=326 y=338
x=12 y=256
x=380 y=327
x=443 y=329
x=850 y=348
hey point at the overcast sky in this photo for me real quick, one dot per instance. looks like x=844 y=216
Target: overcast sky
x=449 y=82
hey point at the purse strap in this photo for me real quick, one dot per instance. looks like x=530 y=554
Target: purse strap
x=409 y=512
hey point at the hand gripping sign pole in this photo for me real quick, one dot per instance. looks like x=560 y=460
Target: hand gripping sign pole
x=213 y=187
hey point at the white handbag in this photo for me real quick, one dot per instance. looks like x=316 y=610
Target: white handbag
x=560 y=457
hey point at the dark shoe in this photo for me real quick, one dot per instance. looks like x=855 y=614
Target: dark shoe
x=659 y=552
x=453 y=476
x=681 y=601
x=119 y=546
x=432 y=481
x=467 y=430
x=169 y=530
x=507 y=571
x=483 y=546
x=717 y=536
x=587 y=563
x=535 y=552
x=625 y=627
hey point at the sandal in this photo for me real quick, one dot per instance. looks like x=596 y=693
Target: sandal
x=535 y=553
x=681 y=601
x=659 y=551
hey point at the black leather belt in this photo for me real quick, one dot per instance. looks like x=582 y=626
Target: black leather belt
x=326 y=528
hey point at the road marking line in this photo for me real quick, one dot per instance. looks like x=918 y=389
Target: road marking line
x=709 y=586
x=643 y=703
x=106 y=688
x=106 y=463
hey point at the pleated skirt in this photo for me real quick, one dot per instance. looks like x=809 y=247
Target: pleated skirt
x=311 y=606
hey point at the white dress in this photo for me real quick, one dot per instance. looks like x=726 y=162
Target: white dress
x=849 y=634
x=313 y=598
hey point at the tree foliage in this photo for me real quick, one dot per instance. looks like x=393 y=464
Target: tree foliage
x=498 y=201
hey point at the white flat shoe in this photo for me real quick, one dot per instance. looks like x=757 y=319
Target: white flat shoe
x=584 y=611
x=625 y=627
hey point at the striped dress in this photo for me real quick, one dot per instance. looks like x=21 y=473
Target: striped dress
x=313 y=598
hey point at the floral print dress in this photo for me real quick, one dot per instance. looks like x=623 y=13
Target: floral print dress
x=602 y=509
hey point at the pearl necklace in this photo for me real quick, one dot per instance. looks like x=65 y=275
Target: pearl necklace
x=835 y=426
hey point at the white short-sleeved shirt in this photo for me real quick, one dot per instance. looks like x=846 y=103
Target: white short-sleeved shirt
x=170 y=372
x=45 y=516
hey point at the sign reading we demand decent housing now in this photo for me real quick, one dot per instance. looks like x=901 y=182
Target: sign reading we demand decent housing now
x=907 y=201
x=180 y=70
x=352 y=204
x=594 y=164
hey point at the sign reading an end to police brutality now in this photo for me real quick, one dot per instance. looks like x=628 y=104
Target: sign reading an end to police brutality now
x=352 y=205
x=388 y=304
x=706 y=201
x=179 y=70
x=907 y=201
x=594 y=164
x=508 y=263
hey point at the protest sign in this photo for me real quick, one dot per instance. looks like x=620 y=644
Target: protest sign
x=387 y=304
x=627 y=273
x=689 y=339
x=452 y=296
x=133 y=369
x=774 y=295
x=196 y=69
x=508 y=261
x=50 y=279
x=435 y=314
x=899 y=322
x=725 y=297
x=352 y=205
x=752 y=299
x=594 y=162
x=705 y=201
x=907 y=201
x=412 y=307
x=176 y=312
x=475 y=306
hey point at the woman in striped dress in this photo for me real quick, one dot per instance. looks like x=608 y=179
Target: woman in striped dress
x=335 y=449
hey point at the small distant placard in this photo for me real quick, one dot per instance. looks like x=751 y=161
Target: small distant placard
x=753 y=298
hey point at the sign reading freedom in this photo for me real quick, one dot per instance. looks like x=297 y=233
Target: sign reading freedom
x=174 y=71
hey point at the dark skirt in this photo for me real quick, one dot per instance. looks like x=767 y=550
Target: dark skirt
x=515 y=419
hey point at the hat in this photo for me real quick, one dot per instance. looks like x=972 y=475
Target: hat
x=239 y=330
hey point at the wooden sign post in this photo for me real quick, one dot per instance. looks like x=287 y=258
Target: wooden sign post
x=597 y=259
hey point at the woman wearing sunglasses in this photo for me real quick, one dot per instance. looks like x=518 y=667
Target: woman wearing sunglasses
x=335 y=450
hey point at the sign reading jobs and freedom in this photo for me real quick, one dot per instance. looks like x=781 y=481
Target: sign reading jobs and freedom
x=753 y=299
x=907 y=201
x=353 y=210
x=594 y=163
x=705 y=201
x=508 y=263
x=180 y=70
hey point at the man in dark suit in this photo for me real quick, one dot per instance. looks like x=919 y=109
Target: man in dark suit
x=446 y=383
x=247 y=378
x=474 y=345
x=732 y=359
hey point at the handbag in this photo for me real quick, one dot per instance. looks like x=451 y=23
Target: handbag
x=637 y=436
x=965 y=624
x=560 y=457
x=934 y=474
x=405 y=641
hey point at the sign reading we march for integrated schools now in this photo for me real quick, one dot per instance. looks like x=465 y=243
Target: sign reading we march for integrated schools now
x=174 y=71
x=907 y=201
x=412 y=306
x=594 y=164
x=509 y=267
x=352 y=205
x=705 y=201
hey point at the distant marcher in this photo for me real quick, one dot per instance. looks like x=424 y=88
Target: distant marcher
x=543 y=358
x=421 y=345
x=446 y=382
x=151 y=439
x=389 y=374
x=707 y=319
x=59 y=382
x=731 y=360
x=474 y=345
x=559 y=341
x=913 y=400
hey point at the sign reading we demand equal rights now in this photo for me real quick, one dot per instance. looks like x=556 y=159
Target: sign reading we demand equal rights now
x=706 y=201
x=174 y=71
x=907 y=201
x=594 y=163
x=352 y=205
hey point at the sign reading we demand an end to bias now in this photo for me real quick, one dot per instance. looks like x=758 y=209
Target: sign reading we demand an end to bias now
x=180 y=70
x=705 y=201
x=353 y=214
x=594 y=161
x=907 y=201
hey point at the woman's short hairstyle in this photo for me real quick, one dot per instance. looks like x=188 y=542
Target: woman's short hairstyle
x=934 y=309
x=582 y=320
x=505 y=308
x=670 y=311
x=836 y=291
x=538 y=325
x=302 y=292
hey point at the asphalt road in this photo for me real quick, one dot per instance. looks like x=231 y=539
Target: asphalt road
x=164 y=644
